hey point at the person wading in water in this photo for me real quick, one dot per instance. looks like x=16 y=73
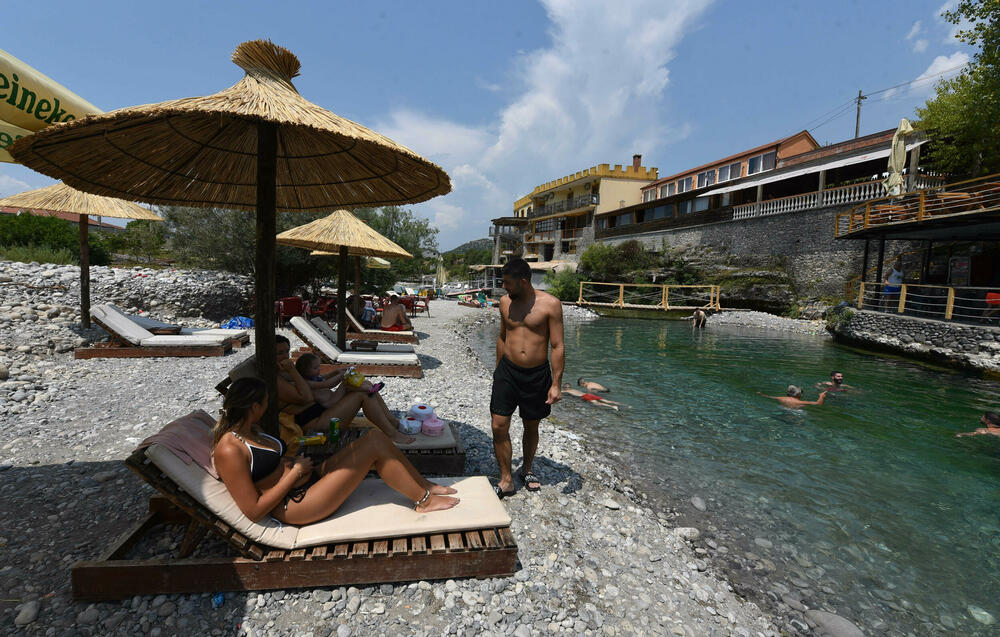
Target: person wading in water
x=530 y=324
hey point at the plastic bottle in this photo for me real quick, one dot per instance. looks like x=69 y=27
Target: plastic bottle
x=334 y=430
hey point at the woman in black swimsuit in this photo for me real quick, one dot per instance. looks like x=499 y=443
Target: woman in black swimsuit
x=262 y=481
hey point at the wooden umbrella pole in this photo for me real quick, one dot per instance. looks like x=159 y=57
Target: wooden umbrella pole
x=357 y=275
x=266 y=350
x=84 y=272
x=342 y=299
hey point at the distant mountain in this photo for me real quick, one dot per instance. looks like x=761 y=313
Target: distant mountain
x=475 y=244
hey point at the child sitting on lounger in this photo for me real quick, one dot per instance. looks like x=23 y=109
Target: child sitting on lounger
x=309 y=367
x=262 y=482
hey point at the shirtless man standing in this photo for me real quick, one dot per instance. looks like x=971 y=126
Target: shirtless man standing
x=394 y=316
x=530 y=323
x=793 y=398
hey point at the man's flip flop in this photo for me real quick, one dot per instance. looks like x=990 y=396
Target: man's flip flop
x=501 y=494
x=530 y=479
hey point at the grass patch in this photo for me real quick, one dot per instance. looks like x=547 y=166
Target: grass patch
x=41 y=254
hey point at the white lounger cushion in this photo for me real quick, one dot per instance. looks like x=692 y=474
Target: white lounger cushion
x=314 y=338
x=358 y=327
x=327 y=331
x=150 y=323
x=373 y=511
x=123 y=326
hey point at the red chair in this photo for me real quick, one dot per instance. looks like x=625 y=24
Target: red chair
x=289 y=306
x=325 y=307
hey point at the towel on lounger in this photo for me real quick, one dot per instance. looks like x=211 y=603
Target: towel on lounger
x=190 y=438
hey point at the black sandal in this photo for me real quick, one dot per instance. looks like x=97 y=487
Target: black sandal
x=530 y=478
x=501 y=494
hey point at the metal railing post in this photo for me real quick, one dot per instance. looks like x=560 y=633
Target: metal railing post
x=902 y=299
x=621 y=295
x=861 y=295
x=951 y=304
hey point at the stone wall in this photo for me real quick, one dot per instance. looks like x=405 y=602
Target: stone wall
x=971 y=347
x=819 y=264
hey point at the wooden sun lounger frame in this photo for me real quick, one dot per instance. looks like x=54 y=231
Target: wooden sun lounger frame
x=487 y=552
x=116 y=347
x=368 y=369
x=378 y=336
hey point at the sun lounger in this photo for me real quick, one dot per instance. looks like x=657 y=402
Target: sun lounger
x=331 y=335
x=355 y=330
x=368 y=363
x=129 y=340
x=374 y=537
x=238 y=337
x=442 y=455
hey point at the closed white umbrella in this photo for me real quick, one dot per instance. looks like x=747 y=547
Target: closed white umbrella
x=897 y=159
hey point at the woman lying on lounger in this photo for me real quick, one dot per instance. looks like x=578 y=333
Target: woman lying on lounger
x=295 y=396
x=262 y=482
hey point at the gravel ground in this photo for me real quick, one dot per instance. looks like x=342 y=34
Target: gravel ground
x=593 y=559
x=763 y=320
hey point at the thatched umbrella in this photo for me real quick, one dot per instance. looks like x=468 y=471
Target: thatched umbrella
x=345 y=234
x=374 y=263
x=62 y=198
x=257 y=145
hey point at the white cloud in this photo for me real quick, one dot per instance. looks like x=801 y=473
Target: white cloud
x=592 y=96
x=952 y=29
x=920 y=46
x=11 y=185
x=943 y=67
x=914 y=30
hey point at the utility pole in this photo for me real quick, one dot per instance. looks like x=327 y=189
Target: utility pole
x=857 y=119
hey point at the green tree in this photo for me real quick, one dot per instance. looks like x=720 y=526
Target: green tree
x=963 y=118
x=413 y=234
x=141 y=238
x=50 y=232
x=564 y=284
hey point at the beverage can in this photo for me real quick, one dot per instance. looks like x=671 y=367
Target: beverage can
x=334 y=430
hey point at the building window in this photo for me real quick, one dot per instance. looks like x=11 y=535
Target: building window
x=648 y=195
x=602 y=224
x=706 y=178
x=667 y=190
x=547 y=224
x=625 y=219
x=760 y=163
x=684 y=185
x=701 y=204
x=662 y=212
x=732 y=171
x=684 y=207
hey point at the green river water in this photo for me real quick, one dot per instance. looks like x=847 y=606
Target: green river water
x=867 y=505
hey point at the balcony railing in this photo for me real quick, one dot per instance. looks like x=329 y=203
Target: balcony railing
x=972 y=196
x=822 y=198
x=504 y=231
x=572 y=233
x=548 y=235
x=565 y=205
x=974 y=305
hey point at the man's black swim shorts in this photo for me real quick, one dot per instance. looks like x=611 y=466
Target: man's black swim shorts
x=523 y=388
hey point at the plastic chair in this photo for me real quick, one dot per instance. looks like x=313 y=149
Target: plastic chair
x=290 y=306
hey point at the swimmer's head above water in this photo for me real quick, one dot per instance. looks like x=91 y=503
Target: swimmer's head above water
x=794 y=391
x=991 y=419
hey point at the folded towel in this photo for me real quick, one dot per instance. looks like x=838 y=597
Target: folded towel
x=190 y=438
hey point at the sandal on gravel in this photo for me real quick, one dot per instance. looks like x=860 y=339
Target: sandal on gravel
x=530 y=479
x=501 y=494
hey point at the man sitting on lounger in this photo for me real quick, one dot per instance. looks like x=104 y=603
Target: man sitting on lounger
x=394 y=316
x=295 y=396
x=263 y=482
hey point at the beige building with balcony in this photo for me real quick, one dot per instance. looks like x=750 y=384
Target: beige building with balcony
x=559 y=215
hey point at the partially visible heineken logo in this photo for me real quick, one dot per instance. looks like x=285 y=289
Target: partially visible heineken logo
x=26 y=100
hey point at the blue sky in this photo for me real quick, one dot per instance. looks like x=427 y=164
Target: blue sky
x=506 y=96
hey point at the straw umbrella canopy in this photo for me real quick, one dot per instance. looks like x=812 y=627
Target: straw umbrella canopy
x=344 y=234
x=374 y=263
x=62 y=198
x=257 y=145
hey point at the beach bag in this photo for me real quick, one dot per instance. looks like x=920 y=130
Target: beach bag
x=238 y=323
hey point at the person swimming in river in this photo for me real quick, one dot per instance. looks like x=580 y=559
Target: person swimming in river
x=835 y=384
x=591 y=386
x=991 y=420
x=593 y=399
x=793 y=398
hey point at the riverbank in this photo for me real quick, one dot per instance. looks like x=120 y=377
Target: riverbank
x=593 y=559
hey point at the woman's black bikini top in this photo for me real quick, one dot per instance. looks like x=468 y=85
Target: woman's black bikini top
x=263 y=461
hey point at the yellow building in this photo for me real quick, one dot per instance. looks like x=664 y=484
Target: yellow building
x=560 y=213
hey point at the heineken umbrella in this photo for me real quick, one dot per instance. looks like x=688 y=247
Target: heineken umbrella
x=257 y=145
x=62 y=198
x=30 y=101
x=345 y=234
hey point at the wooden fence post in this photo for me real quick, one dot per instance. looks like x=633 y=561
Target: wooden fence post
x=621 y=295
x=861 y=295
x=951 y=304
x=665 y=301
x=580 y=299
x=920 y=206
x=868 y=213
x=902 y=299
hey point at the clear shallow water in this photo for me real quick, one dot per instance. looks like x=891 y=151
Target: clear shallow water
x=869 y=496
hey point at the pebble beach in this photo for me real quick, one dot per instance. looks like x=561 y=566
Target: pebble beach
x=594 y=559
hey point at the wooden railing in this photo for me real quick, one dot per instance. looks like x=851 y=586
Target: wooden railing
x=649 y=296
x=964 y=197
x=948 y=303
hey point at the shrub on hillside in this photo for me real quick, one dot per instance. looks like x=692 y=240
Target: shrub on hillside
x=564 y=284
x=49 y=233
x=614 y=263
